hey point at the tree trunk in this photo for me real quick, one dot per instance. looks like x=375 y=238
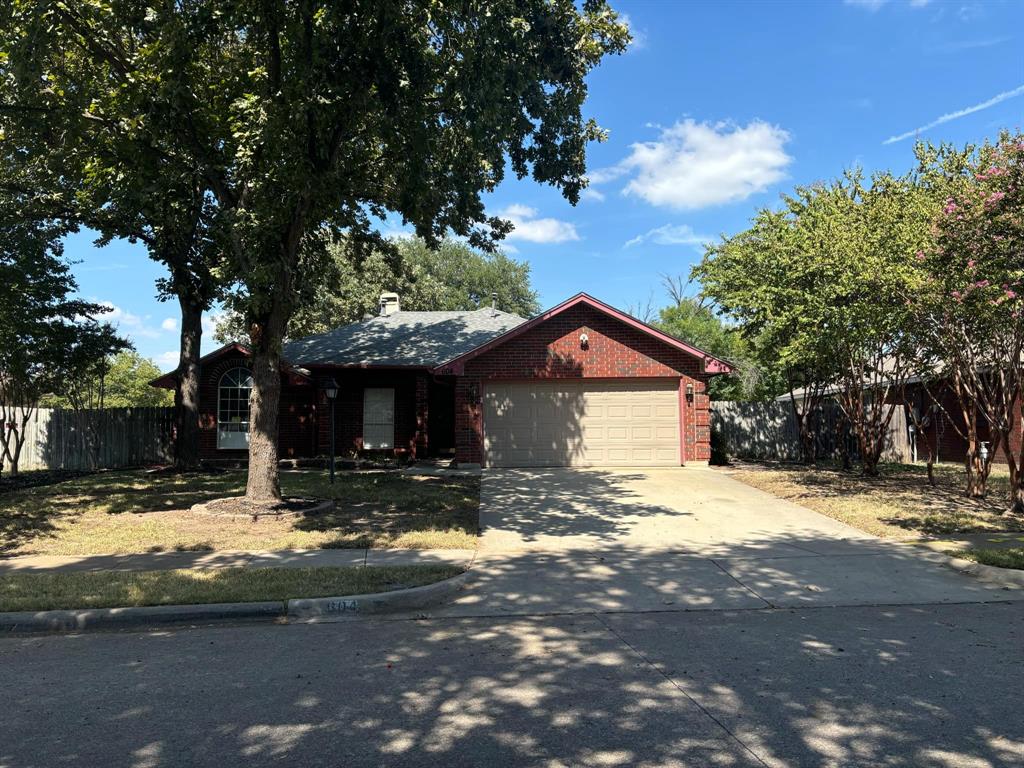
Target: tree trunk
x=186 y=391
x=977 y=477
x=264 y=482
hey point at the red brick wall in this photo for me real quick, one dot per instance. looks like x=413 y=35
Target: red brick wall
x=296 y=419
x=552 y=349
x=348 y=414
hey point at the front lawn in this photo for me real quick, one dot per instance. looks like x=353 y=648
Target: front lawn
x=118 y=589
x=1000 y=558
x=134 y=511
x=898 y=505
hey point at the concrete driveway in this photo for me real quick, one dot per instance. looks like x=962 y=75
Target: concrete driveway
x=596 y=540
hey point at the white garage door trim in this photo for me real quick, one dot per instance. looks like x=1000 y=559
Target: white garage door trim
x=589 y=422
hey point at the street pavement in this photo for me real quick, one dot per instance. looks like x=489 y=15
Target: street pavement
x=852 y=686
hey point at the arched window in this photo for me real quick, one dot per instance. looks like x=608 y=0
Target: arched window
x=233 y=409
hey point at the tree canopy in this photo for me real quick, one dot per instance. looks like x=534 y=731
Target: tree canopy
x=48 y=337
x=823 y=286
x=450 y=277
x=121 y=381
x=309 y=120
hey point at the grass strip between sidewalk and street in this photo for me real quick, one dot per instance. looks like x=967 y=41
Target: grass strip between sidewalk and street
x=120 y=589
x=1000 y=558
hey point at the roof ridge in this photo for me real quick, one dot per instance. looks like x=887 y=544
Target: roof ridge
x=391 y=339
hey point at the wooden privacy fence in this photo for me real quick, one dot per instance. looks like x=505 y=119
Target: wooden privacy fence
x=101 y=438
x=769 y=431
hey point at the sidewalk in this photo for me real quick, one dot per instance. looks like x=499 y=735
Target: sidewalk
x=289 y=558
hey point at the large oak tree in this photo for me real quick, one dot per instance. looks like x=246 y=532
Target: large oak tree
x=309 y=119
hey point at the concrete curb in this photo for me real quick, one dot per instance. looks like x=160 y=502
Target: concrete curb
x=1010 y=578
x=299 y=609
x=312 y=608
x=99 y=618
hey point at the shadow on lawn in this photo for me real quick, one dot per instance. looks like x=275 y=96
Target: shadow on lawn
x=931 y=510
x=39 y=512
x=371 y=505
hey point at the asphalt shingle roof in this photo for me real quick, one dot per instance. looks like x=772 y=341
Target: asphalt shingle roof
x=402 y=338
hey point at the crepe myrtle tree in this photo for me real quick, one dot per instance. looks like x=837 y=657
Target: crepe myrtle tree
x=308 y=119
x=761 y=280
x=972 y=314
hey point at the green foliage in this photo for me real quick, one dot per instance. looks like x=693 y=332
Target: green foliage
x=125 y=384
x=824 y=286
x=693 y=321
x=970 y=308
x=48 y=340
x=309 y=120
x=450 y=277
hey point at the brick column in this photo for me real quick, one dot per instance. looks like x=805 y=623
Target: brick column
x=702 y=422
x=421 y=438
x=468 y=421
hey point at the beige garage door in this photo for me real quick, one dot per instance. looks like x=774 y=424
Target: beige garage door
x=562 y=424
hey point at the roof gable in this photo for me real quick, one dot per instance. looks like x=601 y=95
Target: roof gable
x=167 y=380
x=709 y=363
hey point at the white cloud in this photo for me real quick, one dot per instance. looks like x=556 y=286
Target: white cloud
x=167 y=360
x=537 y=230
x=670 y=234
x=639 y=35
x=169 y=324
x=133 y=326
x=210 y=320
x=956 y=46
x=874 y=5
x=592 y=194
x=997 y=99
x=695 y=165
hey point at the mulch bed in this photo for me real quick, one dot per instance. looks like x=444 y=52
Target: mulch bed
x=240 y=507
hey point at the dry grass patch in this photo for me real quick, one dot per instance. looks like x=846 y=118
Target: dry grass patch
x=134 y=511
x=57 y=591
x=900 y=504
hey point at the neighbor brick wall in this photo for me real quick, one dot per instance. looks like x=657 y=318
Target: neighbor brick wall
x=552 y=350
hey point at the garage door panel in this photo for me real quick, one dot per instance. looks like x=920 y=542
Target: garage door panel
x=574 y=423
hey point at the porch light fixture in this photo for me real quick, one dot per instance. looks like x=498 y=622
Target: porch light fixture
x=330 y=388
x=474 y=394
x=584 y=340
x=689 y=392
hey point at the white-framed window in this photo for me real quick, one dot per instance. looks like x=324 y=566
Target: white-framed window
x=378 y=417
x=233 y=409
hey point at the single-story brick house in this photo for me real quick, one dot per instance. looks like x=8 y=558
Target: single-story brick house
x=581 y=384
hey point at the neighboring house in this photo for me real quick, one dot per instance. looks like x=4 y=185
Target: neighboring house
x=582 y=384
x=932 y=404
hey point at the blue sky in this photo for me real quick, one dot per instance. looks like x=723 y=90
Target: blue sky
x=716 y=109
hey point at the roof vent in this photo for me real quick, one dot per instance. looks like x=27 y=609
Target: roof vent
x=388 y=304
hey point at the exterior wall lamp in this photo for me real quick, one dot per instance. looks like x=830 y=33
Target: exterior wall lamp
x=689 y=392
x=474 y=394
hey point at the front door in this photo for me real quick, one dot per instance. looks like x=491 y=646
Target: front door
x=378 y=418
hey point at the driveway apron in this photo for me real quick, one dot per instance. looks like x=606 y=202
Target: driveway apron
x=669 y=539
